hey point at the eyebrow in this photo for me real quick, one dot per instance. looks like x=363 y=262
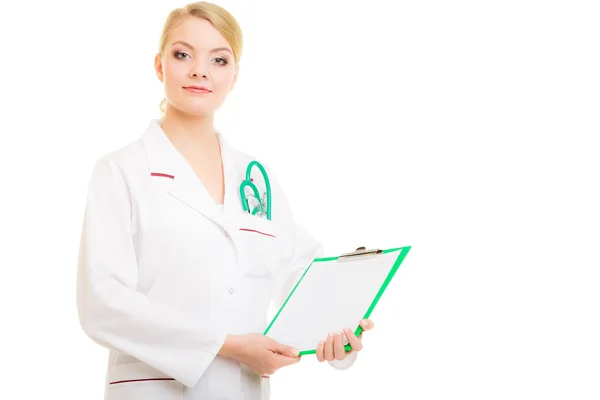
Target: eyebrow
x=192 y=47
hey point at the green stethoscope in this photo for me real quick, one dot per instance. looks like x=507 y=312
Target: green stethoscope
x=265 y=204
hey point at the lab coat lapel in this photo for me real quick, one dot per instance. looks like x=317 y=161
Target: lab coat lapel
x=173 y=173
x=234 y=174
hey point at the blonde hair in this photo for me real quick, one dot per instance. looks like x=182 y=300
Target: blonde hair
x=220 y=18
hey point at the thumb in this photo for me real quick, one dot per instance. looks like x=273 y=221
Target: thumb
x=285 y=350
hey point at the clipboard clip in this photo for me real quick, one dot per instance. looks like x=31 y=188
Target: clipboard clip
x=359 y=252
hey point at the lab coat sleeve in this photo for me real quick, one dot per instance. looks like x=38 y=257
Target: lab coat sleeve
x=111 y=311
x=299 y=249
x=303 y=249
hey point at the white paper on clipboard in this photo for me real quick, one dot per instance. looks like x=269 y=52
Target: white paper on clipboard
x=334 y=293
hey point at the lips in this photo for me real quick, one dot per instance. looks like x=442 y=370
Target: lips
x=197 y=89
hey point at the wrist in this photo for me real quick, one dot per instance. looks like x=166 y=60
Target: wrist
x=231 y=346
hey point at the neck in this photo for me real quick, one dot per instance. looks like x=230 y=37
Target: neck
x=194 y=136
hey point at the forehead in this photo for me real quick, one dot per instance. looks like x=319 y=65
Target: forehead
x=198 y=32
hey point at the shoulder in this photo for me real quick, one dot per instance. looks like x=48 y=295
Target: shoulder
x=123 y=157
x=118 y=168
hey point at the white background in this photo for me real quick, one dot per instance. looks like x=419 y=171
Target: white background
x=468 y=130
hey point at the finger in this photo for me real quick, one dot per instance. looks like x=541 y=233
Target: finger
x=367 y=324
x=339 y=352
x=283 y=361
x=284 y=350
x=320 y=351
x=329 y=347
x=353 y=341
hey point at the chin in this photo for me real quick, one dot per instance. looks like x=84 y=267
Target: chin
x=197 y=111
x=200 y=112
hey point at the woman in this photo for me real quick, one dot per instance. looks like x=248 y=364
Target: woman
x=175 y=278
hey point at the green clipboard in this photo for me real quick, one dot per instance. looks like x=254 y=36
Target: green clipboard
x=393 y=259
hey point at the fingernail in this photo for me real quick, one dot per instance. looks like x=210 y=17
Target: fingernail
x=330 y=334
x=347 y=330
x=321 y=343
x=295 y=352
x=339 y=333
x=365 y=323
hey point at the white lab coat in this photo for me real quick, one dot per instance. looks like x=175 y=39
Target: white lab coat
x=165 y=273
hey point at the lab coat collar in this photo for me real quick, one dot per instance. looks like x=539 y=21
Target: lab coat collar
x=172 y=171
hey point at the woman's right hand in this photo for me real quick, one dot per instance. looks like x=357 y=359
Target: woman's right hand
x=259 y=352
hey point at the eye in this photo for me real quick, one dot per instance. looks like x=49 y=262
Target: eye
x=178 y=53
x=221 y=61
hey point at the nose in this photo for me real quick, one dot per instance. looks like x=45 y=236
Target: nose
x=199 y=68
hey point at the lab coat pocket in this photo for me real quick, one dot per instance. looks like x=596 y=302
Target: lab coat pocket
x=137 y=381
x=257 y=244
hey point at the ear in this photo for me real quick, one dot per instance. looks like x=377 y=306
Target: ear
x=158 y=67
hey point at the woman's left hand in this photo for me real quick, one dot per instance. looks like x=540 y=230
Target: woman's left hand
x=333 y=347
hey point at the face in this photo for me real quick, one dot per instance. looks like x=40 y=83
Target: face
x=196 y=55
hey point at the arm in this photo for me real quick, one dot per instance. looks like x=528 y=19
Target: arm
x=111 y=311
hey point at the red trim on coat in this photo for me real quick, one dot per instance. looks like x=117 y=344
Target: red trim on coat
x=161 y=174
x=252 y=230
x=141 y=380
